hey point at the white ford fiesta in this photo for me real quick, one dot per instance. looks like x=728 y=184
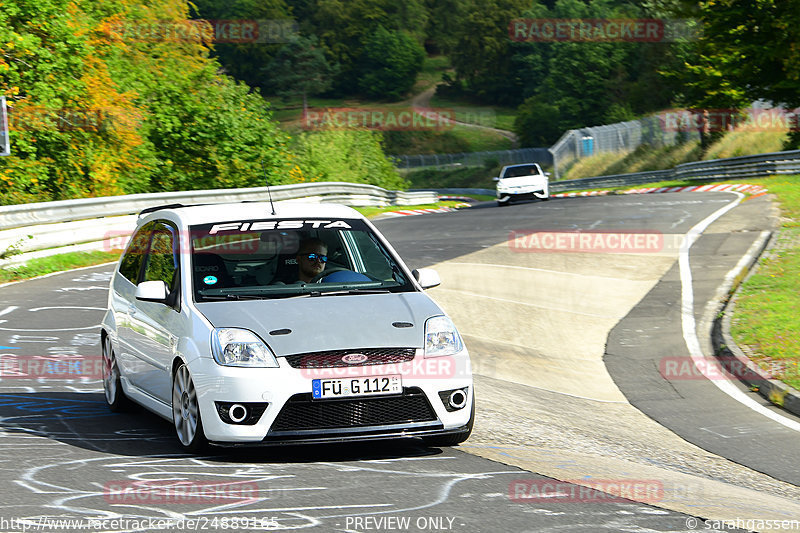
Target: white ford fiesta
x=243 y=324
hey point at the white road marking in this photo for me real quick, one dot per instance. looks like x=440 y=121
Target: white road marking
x=690 y=327
x=50 y=329
x=68 y=307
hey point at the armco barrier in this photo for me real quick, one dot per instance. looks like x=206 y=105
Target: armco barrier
x=13 y=216
x=749 y=166
x=49 y=228
x=743 y=167
x=17 y=222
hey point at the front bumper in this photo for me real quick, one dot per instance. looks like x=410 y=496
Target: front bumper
x=419 y=411
x=522 y=194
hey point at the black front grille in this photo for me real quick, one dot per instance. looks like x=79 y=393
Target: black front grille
x=302 y=413
x=333 y=358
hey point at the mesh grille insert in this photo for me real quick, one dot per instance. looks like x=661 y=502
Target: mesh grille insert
x=333 y=358
x=302 y=413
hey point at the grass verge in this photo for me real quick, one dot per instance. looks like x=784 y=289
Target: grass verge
x=56 y=263
x=766 y=319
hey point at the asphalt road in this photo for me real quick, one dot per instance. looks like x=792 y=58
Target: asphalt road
x=64 y=455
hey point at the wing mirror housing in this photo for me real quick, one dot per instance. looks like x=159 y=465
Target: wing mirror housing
x=427 y=277
x=152 y=291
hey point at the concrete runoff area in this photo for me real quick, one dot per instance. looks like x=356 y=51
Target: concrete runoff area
x=537 y=324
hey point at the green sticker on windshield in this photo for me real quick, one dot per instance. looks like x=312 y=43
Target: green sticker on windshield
x=210 y=280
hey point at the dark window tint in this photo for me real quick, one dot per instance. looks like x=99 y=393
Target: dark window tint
x=162 y=261
x=131 y=263
x=516 y=172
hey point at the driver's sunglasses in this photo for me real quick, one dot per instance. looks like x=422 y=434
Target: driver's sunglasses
x=316 y=257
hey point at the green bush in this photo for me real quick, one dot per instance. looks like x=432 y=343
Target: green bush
x=346 y=155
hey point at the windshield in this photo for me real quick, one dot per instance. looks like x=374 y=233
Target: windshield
x=523 y=170
x=288 y=258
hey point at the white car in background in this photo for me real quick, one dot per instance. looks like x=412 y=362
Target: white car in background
x=522 y=182
x=209 y=327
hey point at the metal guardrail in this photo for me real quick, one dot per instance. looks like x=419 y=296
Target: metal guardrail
x=49 y=228
x=53 y=225
x=751 y=166
x=743 y=167
x=621 y=136
x=12 y=216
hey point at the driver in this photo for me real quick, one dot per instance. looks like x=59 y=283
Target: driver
x=311 y=259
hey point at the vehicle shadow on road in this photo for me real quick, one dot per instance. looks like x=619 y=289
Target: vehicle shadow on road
x=84 y=420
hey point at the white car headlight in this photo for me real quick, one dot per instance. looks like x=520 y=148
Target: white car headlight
x=441 y=337
x=240 y=347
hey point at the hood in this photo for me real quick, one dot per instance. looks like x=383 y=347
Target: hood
x=319 y=323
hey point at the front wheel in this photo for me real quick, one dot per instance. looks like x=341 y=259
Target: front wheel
x=186 y=412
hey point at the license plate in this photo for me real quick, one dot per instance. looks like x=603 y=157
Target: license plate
x=345 y=387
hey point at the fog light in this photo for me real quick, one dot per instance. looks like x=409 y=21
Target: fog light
x=237 y=413
x=242 y=413
x=454 y=399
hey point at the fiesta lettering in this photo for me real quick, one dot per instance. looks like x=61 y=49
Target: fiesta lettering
x=278 y=224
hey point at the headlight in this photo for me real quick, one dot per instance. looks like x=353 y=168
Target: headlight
x=239 y=347
x=441 y=337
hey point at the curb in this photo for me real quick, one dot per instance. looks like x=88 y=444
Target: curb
x=461 y=198
x=725 y=187
x=425 y=211
x=725 y=346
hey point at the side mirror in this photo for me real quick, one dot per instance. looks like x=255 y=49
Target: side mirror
x=495 y=178
x=427 y=277
x=152 y=291
x=547 y=174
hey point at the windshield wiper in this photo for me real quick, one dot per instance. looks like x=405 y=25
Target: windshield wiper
x=230 y=297
x=349 y=291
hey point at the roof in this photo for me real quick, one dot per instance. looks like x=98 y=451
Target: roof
x=204 y=214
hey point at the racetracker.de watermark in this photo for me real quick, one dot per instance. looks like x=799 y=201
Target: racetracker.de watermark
x=197 y=523
x=180 y=492
x=723 y=368
x=13 y=366
x=586 y=241
x=208 y=31
x=418 y=368
x=379 y=118
x=34 y=118
x=585 y=491
x=553 y=30
x=716 y=120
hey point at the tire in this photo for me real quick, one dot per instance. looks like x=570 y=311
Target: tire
x=186 y=412
x=454 y=439
x=112 y=384
x=503 y=204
